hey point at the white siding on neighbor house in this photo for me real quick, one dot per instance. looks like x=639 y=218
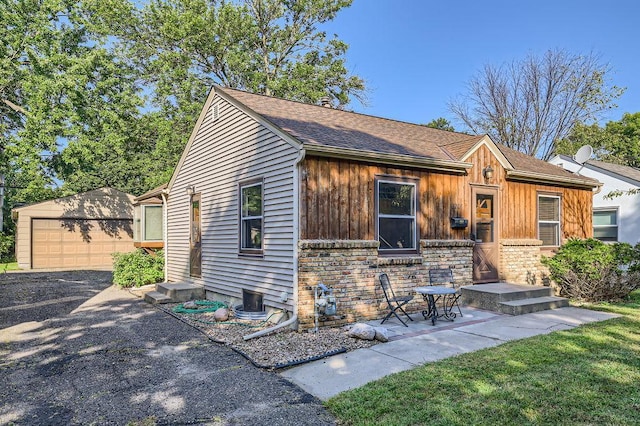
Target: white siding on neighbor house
x=234 y=149
x=628 y=206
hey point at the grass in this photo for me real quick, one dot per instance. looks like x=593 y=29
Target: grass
x=11 y=266
x=587 y=375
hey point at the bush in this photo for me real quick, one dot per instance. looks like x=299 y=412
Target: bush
x=138 y=268
x=7 y=248
x=593 y=271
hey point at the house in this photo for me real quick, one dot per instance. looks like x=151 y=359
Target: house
x=618 y=218
x=80 y=231
x=148 y=219
x=272 y=197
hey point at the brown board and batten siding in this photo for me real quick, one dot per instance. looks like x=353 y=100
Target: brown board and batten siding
x=349 y=211
x=225 y=152
x=519 y=201
x=337 y=200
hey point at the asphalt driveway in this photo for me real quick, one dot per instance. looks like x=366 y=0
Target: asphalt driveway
x=75 y=350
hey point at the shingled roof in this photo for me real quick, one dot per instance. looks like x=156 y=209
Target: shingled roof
x=329 y=128
x=623 y=171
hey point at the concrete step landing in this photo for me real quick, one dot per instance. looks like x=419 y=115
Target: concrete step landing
x=512 y=299
x=174 y=293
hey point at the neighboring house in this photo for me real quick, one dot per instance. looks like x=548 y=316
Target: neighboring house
x=274 y=197
x=76 y=232
x=618 y=218
x=148 y=219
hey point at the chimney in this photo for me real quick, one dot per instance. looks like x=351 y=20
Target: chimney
x=325 y=101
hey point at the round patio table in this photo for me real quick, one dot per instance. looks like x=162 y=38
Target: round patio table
x=432 y=294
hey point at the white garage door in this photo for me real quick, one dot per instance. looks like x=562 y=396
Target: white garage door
x=78 y=243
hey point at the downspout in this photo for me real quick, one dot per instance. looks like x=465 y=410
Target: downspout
x=296 y=238
x=165 y=231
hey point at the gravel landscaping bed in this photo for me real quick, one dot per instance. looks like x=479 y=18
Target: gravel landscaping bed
x=280 y=349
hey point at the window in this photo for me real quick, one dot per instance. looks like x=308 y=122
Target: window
x=549 y=220
x=396 y=202
x=251 y=218
x=152 y=220
x=605 y=224
x=148 y=223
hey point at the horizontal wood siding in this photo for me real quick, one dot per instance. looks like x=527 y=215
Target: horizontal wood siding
x=233 y=149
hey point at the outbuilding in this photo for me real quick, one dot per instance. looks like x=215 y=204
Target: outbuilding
x=80 y=231
x=273 y=197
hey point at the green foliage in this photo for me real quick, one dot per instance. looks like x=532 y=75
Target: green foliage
x=7 y=247
x=138 y=268
x=441 y=123
x=617 y=142
x=591 y=270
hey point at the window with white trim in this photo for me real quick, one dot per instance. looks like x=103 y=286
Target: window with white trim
x=605 y=224
x=549 y=220
x=396 y=216
x=148 y=223
x=251 y=218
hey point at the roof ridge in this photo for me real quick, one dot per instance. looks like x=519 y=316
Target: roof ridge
x=349 y=112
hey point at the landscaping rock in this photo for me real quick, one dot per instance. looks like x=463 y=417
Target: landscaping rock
x=221 y=314
x=190 y=305
x=362 y=331
x=382 y=334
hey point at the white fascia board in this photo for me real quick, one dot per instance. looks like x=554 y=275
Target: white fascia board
x=486 y=141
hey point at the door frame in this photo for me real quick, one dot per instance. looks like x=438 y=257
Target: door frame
x=195 y=237
x=494 y=246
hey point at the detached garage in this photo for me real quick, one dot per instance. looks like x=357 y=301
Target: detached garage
x=76 y=232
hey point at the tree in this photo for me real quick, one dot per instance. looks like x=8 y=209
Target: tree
x=178 y=49
x=530 y=104
x=271 y=47
x=441 y=123
x=617 y=142
x=59 y=84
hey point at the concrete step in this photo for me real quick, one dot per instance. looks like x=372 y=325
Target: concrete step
x=535 y=304
x=492 y=296
x=181 y=292
x=155 y=297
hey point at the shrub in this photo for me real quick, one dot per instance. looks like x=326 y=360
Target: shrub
x=138 y=268
x=7 y=248
x=593 y=271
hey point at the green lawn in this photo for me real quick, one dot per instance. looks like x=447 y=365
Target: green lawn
x=587 y=375
x=13 y=266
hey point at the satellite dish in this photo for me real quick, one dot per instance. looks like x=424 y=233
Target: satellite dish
x=583 y=155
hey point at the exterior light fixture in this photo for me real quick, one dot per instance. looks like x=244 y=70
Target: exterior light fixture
x=191 y=189
x=487 y=172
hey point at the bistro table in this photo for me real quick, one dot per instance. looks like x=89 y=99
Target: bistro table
x=432 y=294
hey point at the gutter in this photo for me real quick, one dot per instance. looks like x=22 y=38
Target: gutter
x=402 y=160
x=547 y=179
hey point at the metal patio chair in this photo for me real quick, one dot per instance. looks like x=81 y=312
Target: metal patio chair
x=444 y=277
x=395 y=303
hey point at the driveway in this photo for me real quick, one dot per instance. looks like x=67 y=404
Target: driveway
x=75 y=350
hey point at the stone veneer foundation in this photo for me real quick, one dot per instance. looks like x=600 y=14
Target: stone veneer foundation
x=520 y=262
x=351 y=269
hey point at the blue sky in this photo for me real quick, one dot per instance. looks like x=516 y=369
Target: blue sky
x=416 y=56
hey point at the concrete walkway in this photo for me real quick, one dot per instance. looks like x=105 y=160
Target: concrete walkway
x=421 y=343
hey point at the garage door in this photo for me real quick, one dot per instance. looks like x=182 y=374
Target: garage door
x=76 y=243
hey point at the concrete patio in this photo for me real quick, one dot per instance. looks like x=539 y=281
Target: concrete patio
x=420 y=343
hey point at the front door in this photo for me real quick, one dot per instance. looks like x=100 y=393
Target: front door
x=484 y=231
x=195 y=243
